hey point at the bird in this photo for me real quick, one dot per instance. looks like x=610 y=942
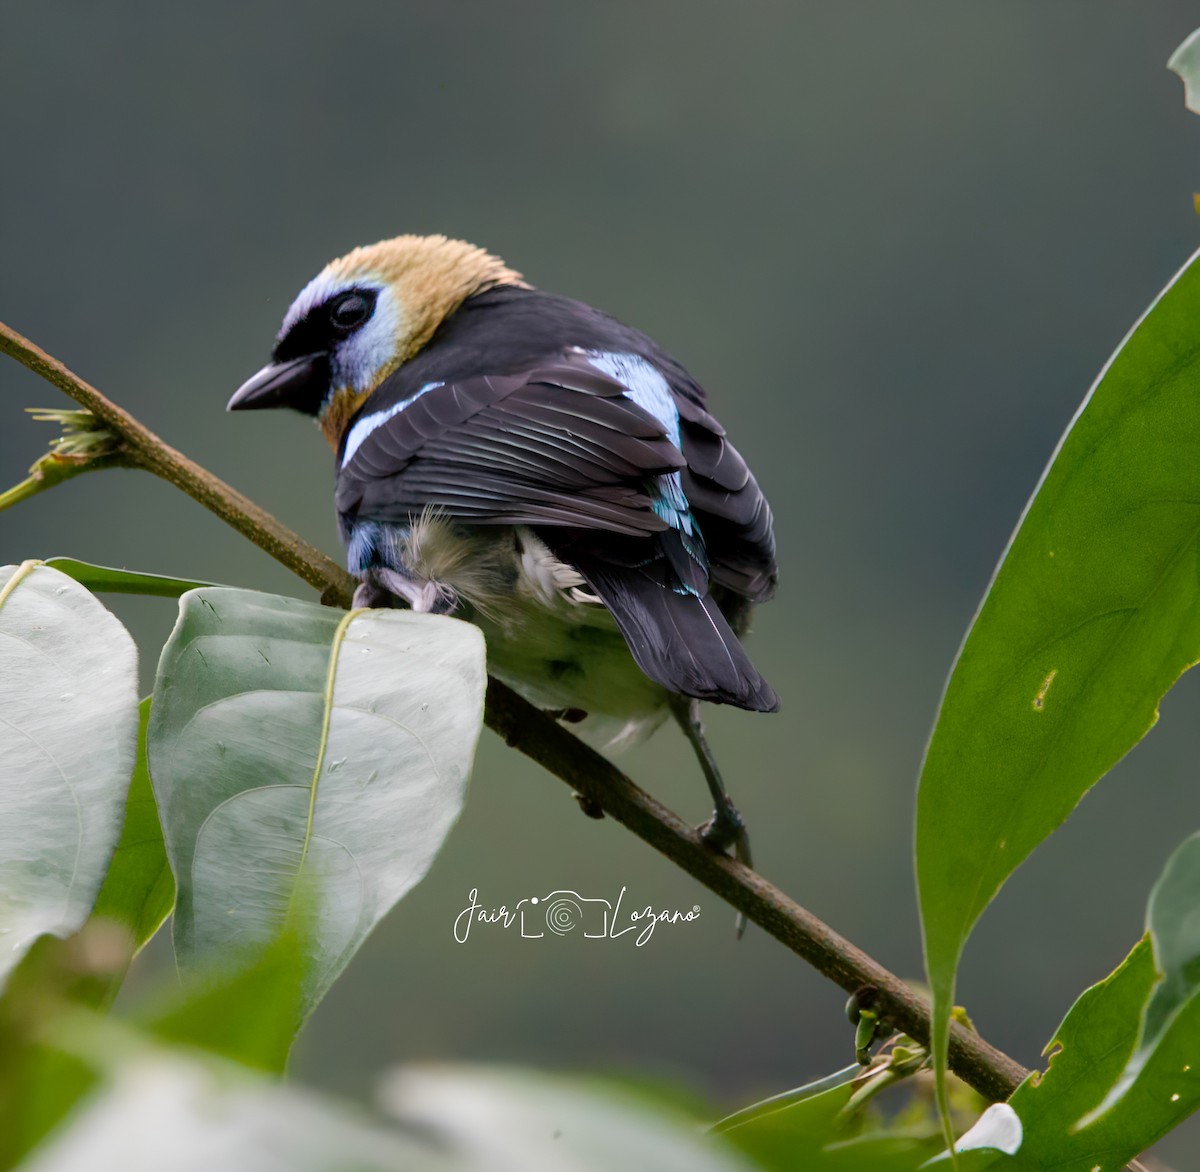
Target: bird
x=527 y=462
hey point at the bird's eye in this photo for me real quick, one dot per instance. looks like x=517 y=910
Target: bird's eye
x=349 y=311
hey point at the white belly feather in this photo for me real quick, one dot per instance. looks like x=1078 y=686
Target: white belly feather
x=547 y=636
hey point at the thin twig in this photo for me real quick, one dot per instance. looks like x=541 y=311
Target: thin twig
x=155 y=455
x=991 y=1072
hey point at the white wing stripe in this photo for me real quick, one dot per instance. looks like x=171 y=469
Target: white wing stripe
x=368 y=423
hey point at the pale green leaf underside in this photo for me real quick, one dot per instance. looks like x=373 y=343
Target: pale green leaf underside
x=169 y=1110
x=1185 y=61
x=509 y=1118
x=165 y=1107
x=1093 y=614
x=300 y=752
x=68 y=740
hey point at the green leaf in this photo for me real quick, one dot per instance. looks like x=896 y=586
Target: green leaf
x=1088 y=1054
x=106 y=580
x=1093 y=614
x=39 y=1084
x=248 y=1015
x=1173 y=920
x=786 y=1100
x=139 y=889
x=1170 y=1022
x=828 y=1126
x=308 y=764
x=68 y=742
x=1185 y=61
x=794 y=1136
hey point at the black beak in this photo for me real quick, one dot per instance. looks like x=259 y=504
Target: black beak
x=301 y=383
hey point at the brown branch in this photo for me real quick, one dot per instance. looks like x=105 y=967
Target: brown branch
x=147 y=451
x=539 y=737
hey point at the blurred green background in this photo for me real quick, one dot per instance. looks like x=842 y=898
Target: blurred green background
x=896 y=243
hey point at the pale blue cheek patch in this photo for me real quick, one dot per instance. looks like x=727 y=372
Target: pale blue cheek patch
x=358 y=360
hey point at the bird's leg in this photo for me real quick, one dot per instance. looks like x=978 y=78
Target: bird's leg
x=725 y=828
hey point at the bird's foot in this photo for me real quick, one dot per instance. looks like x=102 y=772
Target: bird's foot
x=726 y=829
x=723 y=830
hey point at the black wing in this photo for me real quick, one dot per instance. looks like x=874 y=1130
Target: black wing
x=558 y=445
x=728 y=505
x=679 y=634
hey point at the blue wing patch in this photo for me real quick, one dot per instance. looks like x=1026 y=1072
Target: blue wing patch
x=646 y=385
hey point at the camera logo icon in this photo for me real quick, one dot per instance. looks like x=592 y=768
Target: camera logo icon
x=565 y=911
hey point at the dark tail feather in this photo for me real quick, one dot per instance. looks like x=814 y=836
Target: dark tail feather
x=680 y=640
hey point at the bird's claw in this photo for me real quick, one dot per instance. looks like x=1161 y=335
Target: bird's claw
x=723 y=830
x=726 y=829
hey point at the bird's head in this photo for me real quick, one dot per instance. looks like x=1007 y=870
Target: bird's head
x=361 y=317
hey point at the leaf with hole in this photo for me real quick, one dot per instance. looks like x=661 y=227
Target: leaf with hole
x=1170 y=1022
x=1093 y=614
x=1065 y=1121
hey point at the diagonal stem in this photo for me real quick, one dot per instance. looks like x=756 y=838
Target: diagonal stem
x=991 y=1072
